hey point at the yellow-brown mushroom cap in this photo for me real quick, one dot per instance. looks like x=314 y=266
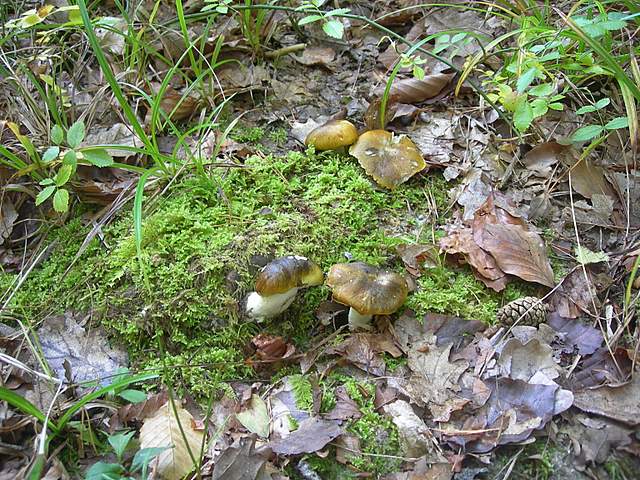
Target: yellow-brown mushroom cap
x=285 y=273
x=332 y=135
x=390 y=159
x=367 y=289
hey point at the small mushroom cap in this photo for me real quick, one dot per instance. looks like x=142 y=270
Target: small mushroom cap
x=390 y=159
x=367 y=289
x=285 y=273
x=332 y=135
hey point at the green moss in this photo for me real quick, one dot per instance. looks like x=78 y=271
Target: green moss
x=377 y=433
x=246 y=134
x=178 y=307
x=459 y=293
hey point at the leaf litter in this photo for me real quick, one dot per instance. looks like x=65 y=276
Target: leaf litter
x=461 y=389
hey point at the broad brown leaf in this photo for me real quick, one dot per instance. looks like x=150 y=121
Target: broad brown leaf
x=518 y=252
x=413 y=90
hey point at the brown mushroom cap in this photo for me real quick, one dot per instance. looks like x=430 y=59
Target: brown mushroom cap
x=285 y=273
x=390 y=159
x=367 y=289
x=332 y=135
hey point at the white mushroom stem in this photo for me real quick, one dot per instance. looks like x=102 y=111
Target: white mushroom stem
x=260 y=307
x=358 y=320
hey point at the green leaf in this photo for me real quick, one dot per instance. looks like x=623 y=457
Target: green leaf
x=539 y=107
x=104 y=471
x=44 y=194
x=585 y=256
x=61 y=200
x=64 y=174
x=119 y=442
x=603 y=102
x=418 y=72
x=46 y=181
x=337 y=11
x=144 y=456
x=556 y=106
x=542 y=90
x=51 y=153
x=57 y=134
x=98 y=157
x=525 y=79
x=616 y=123
x=334 y=28
x=133 y=396
x=25 y=406
x=523 y=115
x=309 y=19
x=586 y=109
x=586 y=133
x=70 y=158
x=75 y=135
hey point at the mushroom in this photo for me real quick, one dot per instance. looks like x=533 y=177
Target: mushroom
x=277 y=285
x=390 y=159
x=332 y=135
x=368 y=290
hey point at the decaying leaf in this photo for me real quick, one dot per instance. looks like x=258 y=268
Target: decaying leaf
x=312 y=435
x=363 y=350
x=518 y=252
x=255 y=417
x=575 y=335
x=136 y=412
x=522 y=362
x=84 y=349
x=434 y=380
x=621 y=403
x=575 y=295
x=414 y=90
x=240 y=463
x=417 y=256
x=415 y=438
x=163 y=430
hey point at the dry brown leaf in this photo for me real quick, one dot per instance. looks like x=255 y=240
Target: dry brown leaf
x=412 y=90
x=434 y=381
x=618 y=403
x=518 y=252
x=163 y=430
x=460 y=241
x=136 y=412
x=588 y=180
x=316 y=55
x=541 y=158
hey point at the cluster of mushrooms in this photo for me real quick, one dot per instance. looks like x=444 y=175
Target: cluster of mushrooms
x=366 y=289
x=389 y=158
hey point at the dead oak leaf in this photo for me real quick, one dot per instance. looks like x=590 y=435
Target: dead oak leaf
x=518 y=252
x=434 y=379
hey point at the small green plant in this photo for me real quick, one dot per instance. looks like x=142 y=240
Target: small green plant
x=331 y=26
x=62 y=158
x=136 y=468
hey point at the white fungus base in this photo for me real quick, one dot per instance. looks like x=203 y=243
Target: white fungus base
x=357 y=321
x=260 y=307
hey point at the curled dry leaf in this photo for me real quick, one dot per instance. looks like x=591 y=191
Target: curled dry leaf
x=588 y=180
x=417 y=256
x=621 y=403
x=413 y=90
x=270 y=348
x=316 y=55
x=163 y=430
x=575 y=335
x=518 y=252
x=543 y=157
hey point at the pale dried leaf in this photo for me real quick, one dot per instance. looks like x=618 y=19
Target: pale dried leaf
x=163 y=430
x=255 y=417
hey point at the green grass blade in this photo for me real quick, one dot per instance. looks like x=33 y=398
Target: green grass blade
x=68 y=415
x=25 y=406
x=115 y=87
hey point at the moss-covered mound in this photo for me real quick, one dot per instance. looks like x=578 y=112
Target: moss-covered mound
x=179 y=304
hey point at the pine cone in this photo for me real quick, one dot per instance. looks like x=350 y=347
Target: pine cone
x=525 y=311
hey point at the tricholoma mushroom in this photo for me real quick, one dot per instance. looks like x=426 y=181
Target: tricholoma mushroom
x=368 y=290
x=390 y=159
x=277 y=285
x=332 y=135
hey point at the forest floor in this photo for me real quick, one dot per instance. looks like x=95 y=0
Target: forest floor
x=153 y=161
